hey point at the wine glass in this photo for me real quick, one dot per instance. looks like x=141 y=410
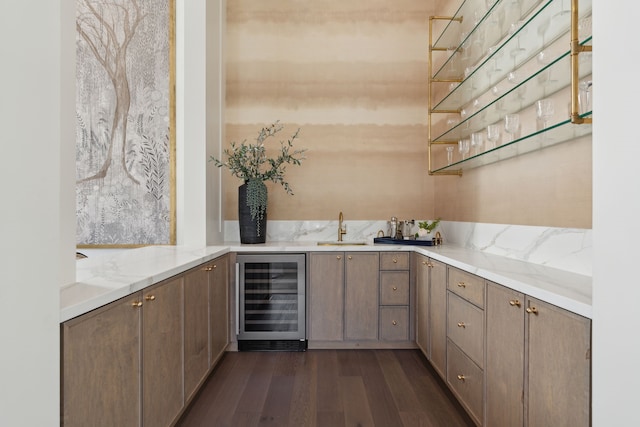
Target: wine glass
x=477 y=139
x=463 y=147
x=544 y=111
x=511 y=125
x=517 y=50
x=449 y=155
x=493 y=134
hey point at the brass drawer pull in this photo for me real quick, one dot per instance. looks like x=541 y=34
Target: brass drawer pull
x=462 y=285
x=394 y=323
x=514 y=303
x=137 y=304
x=208 y=268
x=150 y=297
x=395 y=261
x=338 y=257
x=532 y=310
x=461 y=377
x=461 y=325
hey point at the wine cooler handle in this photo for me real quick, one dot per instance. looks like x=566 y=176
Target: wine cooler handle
x=237 y=299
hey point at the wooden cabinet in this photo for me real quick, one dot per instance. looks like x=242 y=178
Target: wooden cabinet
x=394 y=296
x=326 y=296
x=218 y=308
x=361 y=296
x=438 y=317
x=162 y=326
x=196 y=327
x=466 y=340
x=505 y=357
x=137 y=360
x=558 y=348
x=538 y=362
x=422 y=268
x=101 y=366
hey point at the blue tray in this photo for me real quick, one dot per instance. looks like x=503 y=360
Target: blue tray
x=390 y=241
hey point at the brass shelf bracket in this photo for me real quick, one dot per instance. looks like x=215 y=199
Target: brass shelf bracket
x=430 y=110
x=576 y=50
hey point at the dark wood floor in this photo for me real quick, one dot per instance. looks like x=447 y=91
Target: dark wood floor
x=384 y=388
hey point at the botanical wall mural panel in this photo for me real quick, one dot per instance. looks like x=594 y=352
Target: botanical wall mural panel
x=124 y=141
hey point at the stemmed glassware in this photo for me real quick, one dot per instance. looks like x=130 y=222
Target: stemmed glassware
x=493 y=134
x=511 y=125
x=463 y=147
x=449 y=155
x=477 y=140
x=544 y=111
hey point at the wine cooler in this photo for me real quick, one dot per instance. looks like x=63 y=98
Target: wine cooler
x=270 y=312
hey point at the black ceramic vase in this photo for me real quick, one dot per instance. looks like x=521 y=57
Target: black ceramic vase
x=252 y=230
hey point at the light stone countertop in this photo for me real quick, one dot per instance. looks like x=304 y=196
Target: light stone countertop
x=111 y=275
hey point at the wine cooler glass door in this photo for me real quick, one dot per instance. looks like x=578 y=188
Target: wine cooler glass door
x=272 y=297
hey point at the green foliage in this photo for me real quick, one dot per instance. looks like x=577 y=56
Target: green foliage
x=429 y=226
x=249 y=162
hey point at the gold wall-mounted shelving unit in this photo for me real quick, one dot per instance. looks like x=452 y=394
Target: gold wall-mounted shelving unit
x=499 y=58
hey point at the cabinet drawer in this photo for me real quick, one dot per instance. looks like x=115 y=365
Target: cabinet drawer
x=394 y=323
x=394 y=261
x=394 y=288
x=468 y=286
x=466 y=380
x=465 y=327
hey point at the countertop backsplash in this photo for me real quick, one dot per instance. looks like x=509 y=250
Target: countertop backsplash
x=568 y=249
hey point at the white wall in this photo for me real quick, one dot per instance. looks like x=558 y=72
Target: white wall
x=616 y=213
x=37 y=217
x=200 y=120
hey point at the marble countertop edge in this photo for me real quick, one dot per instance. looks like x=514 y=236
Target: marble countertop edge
x=107 y=278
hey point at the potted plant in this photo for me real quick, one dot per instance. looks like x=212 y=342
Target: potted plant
x=249 y=162
x=425 y=228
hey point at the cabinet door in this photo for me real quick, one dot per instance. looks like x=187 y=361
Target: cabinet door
x=422 y=303
x=438 y=317
x=361 y=296
x=162 y=334
x=219 y=307
x=196 y=327
x=505 y=357
x=101 y=366
x=326 y=296
x=559 y=352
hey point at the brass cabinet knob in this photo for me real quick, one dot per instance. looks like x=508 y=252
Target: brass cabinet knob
x=425 y=263
x=395 y=288
x=395 y=261
x=338 y=257
x=429 y=265
x=208 y=268
x=394 y=323
x=461 y=325
x=462 y=285
x=514 y=303
x=461 y=377
x=532 y=310
x=150 y=297
x=137 y=304
x=350 y=257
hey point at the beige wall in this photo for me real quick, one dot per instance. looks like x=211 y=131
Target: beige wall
x=353 y=76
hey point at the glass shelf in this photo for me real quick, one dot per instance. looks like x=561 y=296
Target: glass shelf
x=474 y=14
x=560 y=132
x=543 y=83
x=538 y=33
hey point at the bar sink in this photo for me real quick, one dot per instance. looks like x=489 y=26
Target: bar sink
x=337 y=243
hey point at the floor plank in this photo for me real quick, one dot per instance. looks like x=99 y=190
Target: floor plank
x=325 y=388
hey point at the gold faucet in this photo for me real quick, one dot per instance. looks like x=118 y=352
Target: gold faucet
x=342 y=229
